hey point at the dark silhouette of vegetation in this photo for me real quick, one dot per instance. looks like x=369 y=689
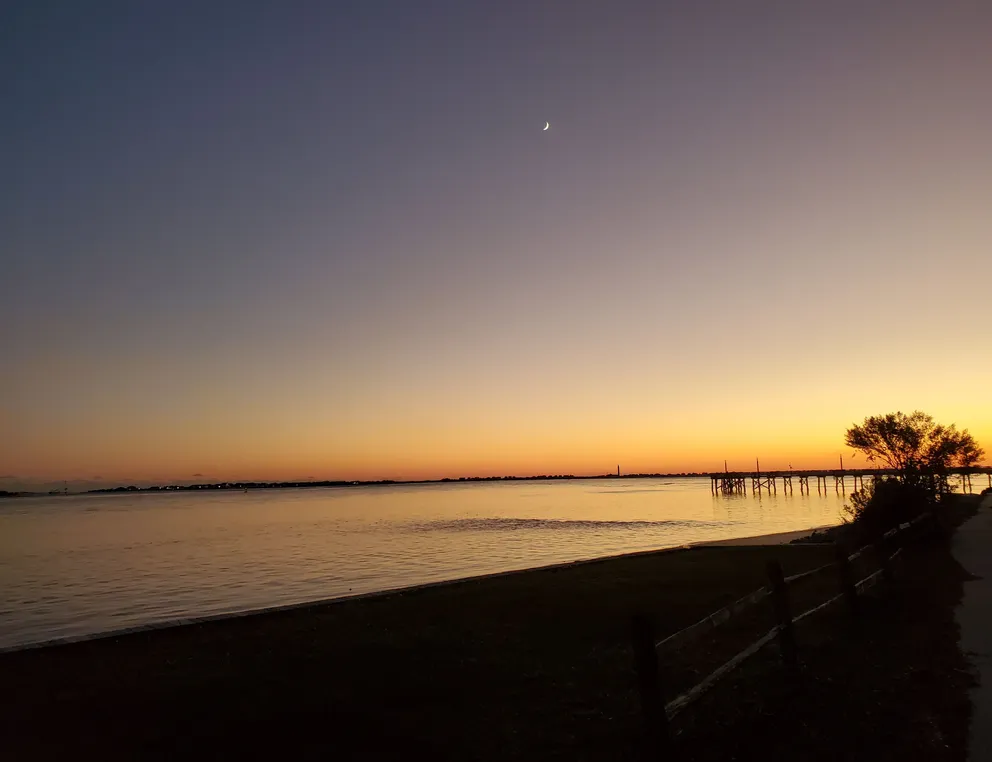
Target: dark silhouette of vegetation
x=884 y=503
x=918 y=448
x=341 y=483
x=903 y=442
x=920 y=451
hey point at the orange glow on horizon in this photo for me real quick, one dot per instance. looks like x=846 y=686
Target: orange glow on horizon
x=452 y=453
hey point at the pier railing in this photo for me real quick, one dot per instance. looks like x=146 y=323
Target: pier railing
x=658 y=713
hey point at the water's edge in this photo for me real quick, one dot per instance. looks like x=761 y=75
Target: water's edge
x=377 y=594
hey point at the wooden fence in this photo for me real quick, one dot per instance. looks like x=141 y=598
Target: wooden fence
x=657 y=713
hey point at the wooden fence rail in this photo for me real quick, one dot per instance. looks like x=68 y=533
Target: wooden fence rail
x=678 y=704
x=721 y=616
x=657 y=718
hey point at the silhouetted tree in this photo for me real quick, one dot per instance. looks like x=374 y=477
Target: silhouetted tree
x=914 y=441
x=917 y=447
x=920 y=451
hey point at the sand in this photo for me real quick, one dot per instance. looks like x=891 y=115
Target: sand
x=528 y=665
x=777 y=538
x=517 y=666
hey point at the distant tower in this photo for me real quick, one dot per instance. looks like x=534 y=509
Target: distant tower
x=618 y=470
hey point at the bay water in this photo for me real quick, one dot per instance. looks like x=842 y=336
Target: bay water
x=78 y=565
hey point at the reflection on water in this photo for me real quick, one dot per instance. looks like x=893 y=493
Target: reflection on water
x=76 y=565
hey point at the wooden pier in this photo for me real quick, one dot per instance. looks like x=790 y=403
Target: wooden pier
x=736 y=482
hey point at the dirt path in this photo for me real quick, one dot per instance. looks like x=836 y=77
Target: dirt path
x=972 y=547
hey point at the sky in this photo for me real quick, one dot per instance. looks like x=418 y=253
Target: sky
x=282 y=240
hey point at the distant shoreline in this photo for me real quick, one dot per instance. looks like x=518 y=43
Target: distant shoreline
x=371 y=483
x=244 y=486
x=345 y=483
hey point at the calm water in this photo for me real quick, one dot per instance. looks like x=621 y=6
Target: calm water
x=91 y=563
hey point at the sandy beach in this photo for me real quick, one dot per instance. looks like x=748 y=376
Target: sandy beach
x=510 y=666
x=523 y=665
x=776 y=538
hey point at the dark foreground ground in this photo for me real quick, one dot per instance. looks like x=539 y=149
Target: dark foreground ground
x=534 y=665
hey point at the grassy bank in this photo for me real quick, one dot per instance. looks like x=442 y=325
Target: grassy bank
x=891 y=687
x=526 y=666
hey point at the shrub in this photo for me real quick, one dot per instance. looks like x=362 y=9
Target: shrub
x=885 y=503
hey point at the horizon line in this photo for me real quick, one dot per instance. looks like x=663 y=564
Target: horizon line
x=304 y=483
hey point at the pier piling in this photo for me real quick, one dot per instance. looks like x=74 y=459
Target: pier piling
x=736 y=482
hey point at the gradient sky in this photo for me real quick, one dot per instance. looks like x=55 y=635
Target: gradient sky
x=277 y=240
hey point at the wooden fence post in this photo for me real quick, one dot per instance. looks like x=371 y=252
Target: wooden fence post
x=939 y=529
x=846 y=579
x=783 y=614
x=882 y=554
x=657 y=738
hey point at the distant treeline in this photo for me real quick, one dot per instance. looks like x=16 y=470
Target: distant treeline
x=561 y=476
x=225 y=485
x=339 y=483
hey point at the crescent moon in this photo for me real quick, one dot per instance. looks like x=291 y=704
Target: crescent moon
x=547 y=125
